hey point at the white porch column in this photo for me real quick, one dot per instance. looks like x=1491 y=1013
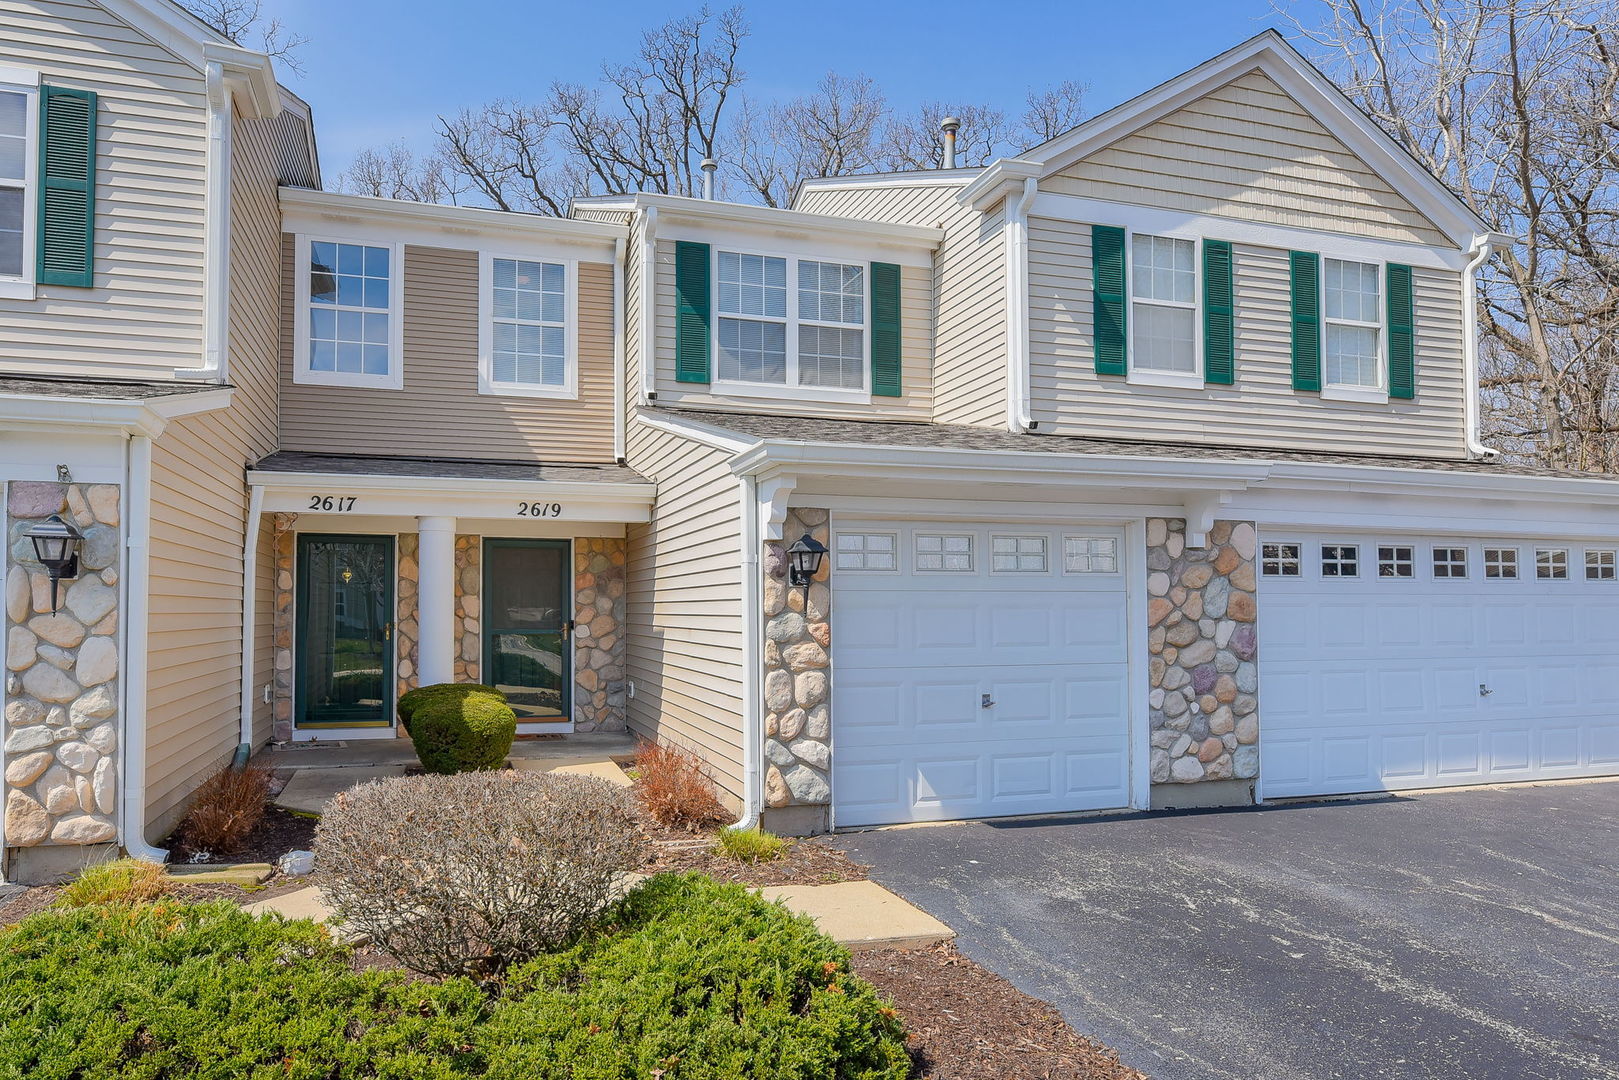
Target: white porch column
x=436 y=600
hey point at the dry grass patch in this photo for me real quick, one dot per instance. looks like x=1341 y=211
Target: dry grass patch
x=676 y=789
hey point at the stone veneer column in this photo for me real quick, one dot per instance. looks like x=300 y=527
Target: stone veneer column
x=284 y=542
x=600 y=564
x=406 y=628
x=61 y=731
x=797 y=662
x=468 y=607
x=1203 y=646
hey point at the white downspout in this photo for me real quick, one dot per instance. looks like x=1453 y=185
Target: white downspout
x=1483 y=248
x=1018 y=420
x=649 y=306
x=216 y=233
x=619 y=247
x=752 y=632
x=250 y=581
x=134 y=624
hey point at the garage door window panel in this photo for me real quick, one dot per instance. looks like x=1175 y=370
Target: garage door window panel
x=1018 y=555
x=943 y=552
x=867 y=551
x=1281 y=560
x=1450 y=563
x=1599 y=566
x=1396 y=561
x=1501 y=564
x=1340 y=561
x=1090 y=555
x=1551 y=564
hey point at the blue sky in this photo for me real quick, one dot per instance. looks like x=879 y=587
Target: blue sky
x=382 y=71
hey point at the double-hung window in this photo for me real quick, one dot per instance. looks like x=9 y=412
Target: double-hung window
x=348 y=316
x=525 y=336
x=1353 y=331
x=18 y=109
x=1163 y=305
x=791 y=322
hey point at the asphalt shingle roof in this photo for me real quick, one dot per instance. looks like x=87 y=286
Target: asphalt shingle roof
x=100 y=389
x=294 y=461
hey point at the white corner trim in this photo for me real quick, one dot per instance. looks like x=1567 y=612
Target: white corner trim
x=1483 y=247
x=133 y=622
x=1016 y=239
x=620 y=326
x=647 y=302
x=569 y=390
x=216 y=231
x=1161 y=222
x=301 y=373
x=250 y=576
x=749 y=511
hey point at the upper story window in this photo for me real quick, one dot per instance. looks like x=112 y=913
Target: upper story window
x=809 y=331
x=1354 y=324
x=1163 y=302
x=526 y=341
x=348 y=315
x=16 y=172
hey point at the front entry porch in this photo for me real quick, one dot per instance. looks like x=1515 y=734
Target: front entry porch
x=452 y=572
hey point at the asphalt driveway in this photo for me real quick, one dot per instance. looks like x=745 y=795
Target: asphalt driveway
x=1470 y=935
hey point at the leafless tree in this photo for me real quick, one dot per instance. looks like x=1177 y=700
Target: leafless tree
x=244 y=22
x=1513 y=104
x=912 y=141
x=833 y=131
x=1052 y=111
x=396 y=172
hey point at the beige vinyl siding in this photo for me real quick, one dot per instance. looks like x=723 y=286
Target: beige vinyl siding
x=914 y=402
x=144 y=315
x=969 y=281
x=199 y=512
x=685 y=604
x=439 y=412
x=630 y=324
x=609 y=216
x=1261 y=409
x=1248 y=151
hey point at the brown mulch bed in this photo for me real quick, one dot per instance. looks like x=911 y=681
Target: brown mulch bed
x=281 y=831
x=806 y=862
x=967 y=1023
x=40 y=897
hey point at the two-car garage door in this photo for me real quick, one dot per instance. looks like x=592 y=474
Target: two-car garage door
x=978 y=671
x=1410 y=662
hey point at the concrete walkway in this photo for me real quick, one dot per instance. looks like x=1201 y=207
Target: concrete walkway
x=857 y=914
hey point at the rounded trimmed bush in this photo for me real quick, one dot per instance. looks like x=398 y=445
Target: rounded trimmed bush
x=461 y=729
x=411 y=700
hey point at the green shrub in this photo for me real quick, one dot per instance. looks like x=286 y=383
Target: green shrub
x=122 y=881
x=752 y=845
x=461 y=729
x=411 y=700
x=167 y=991
x=702 y=981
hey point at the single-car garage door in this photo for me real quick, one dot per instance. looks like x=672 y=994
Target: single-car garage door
x=977 y=671
x=1408 y=662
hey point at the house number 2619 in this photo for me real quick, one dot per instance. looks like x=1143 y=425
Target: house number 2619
x=539 y=509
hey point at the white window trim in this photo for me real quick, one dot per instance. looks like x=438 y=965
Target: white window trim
x=395 y=379
x=1118 y=553
x=1196 y=378
x=569 y=390
x=788 y=390
x=894 y=551
x=1376 y=395
x=1045 y=552
x=25 y=81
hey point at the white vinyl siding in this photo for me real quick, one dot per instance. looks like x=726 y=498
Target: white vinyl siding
x=1262 y=410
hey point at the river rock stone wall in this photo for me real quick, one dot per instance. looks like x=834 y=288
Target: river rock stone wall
x=797 y=663
x=283 y=538
x=1203 y=653
x=61 y=730
x=468 y=608
x=599 y=666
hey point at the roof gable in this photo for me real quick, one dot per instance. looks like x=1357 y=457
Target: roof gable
x=1334 y=133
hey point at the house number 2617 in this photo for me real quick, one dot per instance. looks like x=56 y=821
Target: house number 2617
x=331 y=503
x=539 y=509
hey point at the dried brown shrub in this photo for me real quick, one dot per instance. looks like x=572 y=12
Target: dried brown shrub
x=226 y=809
x=473 y=872
x=676 y=789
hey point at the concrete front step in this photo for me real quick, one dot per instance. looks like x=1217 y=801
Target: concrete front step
x=857 y=914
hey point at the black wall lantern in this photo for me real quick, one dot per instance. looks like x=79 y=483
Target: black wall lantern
x=804 y=561
x=56 y=545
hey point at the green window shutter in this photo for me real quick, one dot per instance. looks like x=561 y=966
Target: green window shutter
x=885 y=359
x=1219 y=331
x=692 y=301
x=67 y=187
x=1108 y=308
x=1402 y=334
x=1306 y=267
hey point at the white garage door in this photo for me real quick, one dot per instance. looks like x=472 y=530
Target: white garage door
x=1408 y=662
x=977 y=671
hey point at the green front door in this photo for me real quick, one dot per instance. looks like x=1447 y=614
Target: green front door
x=527 y=614
x=345 y=645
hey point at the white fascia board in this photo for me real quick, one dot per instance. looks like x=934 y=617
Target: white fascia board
x=705 y=215
x=1159 y=221
x=455 y=496
x=463 y=227
x=1021 y=466
x=148 y=417
x=994 y=182
x=249 y=75
x=708 y=435
x=1443 y=483
x=1270 y=53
